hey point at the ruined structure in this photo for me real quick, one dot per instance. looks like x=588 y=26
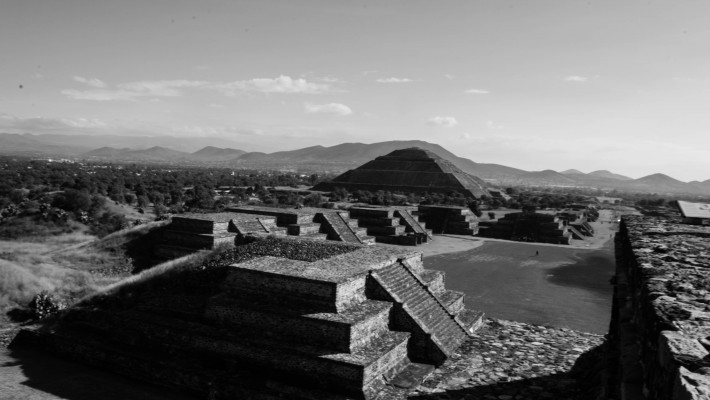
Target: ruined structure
x=528 y=227
x=449 y=219
x=412 y=170
x=188 y=233
x=694 y=213
x=659 y=338
x=395 y=225
x=275 y=318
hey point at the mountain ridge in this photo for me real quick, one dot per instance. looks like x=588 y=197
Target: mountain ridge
x=337 y=158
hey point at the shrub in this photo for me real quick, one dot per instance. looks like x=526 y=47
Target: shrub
x=44 y=305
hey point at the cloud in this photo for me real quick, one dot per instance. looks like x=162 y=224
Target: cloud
x=576 y=78
x=476 y=91
x=133 y=90
x=280 y=84
x=449 y=76
x=93 y=82
x=493 y=125
x=170 y=88
x=54 y=125
x=330 y=108
x=393 y=80
x=446 y=122
x=99 y=95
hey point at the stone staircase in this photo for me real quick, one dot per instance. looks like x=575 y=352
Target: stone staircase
x=271 y=327
x=436 y=332
x=313 y=223
x=413 y=224
x=340 y=227
x=386 y=226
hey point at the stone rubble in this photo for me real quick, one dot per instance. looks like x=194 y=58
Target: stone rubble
x=509 y=360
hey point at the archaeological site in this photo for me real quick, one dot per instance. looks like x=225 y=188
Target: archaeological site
x=281 y=312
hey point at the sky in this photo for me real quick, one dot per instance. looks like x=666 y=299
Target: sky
x=616 y=85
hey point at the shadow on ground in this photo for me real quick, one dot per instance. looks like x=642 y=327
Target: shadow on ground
x=583 y=382
x=30 y=374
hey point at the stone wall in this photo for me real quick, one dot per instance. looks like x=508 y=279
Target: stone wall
x=659 y=335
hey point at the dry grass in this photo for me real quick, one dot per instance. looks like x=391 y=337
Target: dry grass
x=69 y=266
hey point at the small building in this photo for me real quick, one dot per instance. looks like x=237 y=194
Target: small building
x=694 y=213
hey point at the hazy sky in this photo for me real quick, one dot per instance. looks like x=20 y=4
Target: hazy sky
x=618 y=85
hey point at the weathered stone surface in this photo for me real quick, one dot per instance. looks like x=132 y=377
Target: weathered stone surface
x=661 y=319
x=277 y=317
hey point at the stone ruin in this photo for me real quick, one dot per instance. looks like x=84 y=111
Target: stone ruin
x=277 y=317
x=659 y=337
x=412 y=170
x=452 y=220
x=394 y=225
x=409 y=226
x=529 y=227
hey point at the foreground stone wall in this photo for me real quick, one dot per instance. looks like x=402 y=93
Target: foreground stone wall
x=660 y=330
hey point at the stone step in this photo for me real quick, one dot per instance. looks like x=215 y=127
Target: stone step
x=279 y=288
x=436 y=332
x=453 y=300
x=471 y=320
x=304 y=229
x=434 y=279
x=365 y=212
x=315 y=236
x=135 y=344
x=386 y=230
x=345 y=331
x=364 y=239
x=371 y=221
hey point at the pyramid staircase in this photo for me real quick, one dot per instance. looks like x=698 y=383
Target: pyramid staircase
x=392 y=225
x=413 y=224
x=272 y=328
x=313 y=223
x=340 y=227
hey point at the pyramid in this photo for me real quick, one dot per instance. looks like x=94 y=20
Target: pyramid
x=412 y=170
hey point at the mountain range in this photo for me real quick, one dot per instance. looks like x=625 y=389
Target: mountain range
x=336 y=158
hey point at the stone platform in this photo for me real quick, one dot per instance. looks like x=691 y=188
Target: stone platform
x=276 y=317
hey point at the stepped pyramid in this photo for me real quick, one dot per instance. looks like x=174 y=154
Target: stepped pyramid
x=276 y=318
x=412 y=170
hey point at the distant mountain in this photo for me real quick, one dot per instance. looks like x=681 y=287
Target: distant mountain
x=547 y=177
x=602 y=173
x=153 y=154
x=572 y=172
x=337 y=159
x=74 y=145
x=350 y=155
x=660 y=183
x=215 y=153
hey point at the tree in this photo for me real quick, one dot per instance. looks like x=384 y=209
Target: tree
x=313 y=200
x=202 y=197
x=529 y=208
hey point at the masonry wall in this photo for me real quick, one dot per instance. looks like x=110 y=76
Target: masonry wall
x=659 y=334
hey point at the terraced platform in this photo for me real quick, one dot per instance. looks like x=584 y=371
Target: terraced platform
x=291 y=319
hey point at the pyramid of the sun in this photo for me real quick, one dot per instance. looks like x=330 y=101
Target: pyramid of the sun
x=412 y=170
